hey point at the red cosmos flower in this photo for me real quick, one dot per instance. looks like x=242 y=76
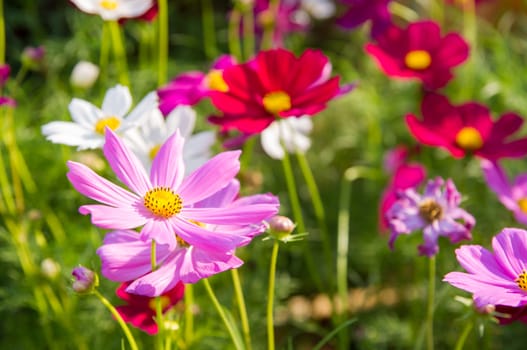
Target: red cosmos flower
x=467 y=128
x=420 y=52
x=274 y=84
x=140 y=310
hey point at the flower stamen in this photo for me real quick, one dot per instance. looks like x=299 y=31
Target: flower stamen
x=521 y=280
x=153 y=151
x=418 y=59
x=215 y=81
x=522 y=203
x=163 y=202
x=469 y=138
x=165 y=302
x=276 y=102
x=430 y=210
x=109 y=4
x=111 y=122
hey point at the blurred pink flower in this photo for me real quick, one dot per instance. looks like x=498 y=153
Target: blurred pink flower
x=191 y=87
x=436 y=212
x=494 y=278
x=512 y=195
x=419 y=52
x=5 y=69
x=140 y=311
x=466 y=129
x=361 y=11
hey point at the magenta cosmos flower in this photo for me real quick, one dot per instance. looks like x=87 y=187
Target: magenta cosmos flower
x=512 y=195
x=498 y=278
x=274 y=84
x=191 y=87
x=466 y=128
x=140 y=311
x=419 y=52
x=163 y=204
x=361 y=11
x=126 y=257
x=436 y=212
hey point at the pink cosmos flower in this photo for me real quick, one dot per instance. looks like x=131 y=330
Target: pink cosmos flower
x=274 y=84
x=163 y=204
x=512 y=195
x=126 y=257
x=436 y=212
x=5 y=69
x=361 y=11
x=191 y=87
x=419 y=52
x=140 y=311
x=494 y=278
x=467 y=128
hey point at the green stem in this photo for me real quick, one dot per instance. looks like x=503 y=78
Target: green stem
x=248 y=31
x=119 y=319
x=234 y=34
x=470 y=34
x=242 y=308
x=163 y=41
x=270 y=296
x=6 y=193
x=105 y=50
x=248 y=149
x=189 y=315
x=209 y=37
x=159 y=307
x=320 y=214
x=463 y=337
x=430 y=304
x=297 y=214
x=267 y=37
x=2 y=33
x=333 y=332
x=222 y=314
x=119 y=52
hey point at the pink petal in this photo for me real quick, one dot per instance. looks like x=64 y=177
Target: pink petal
x=113 y=218
x=168 y=168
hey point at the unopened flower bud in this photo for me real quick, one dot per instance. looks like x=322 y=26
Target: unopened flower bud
x=85 y=280
x=280 y=227
x=33 y=57
x=50 y=268
x=84 y=74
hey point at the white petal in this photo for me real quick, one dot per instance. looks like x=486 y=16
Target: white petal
x=88 y=6
x=84 y=113
x=134 y=8
x=117 y=101
x=142 y=111
x=270 y=141
x=72 y=134
x=182 y=118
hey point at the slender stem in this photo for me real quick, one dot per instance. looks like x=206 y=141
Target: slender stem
x=119 y=319
x=189 y=315
x=242 y=308
x=297 y=214
x=333 y=332
x=470 y=34
x=222 y=314
x=463 y=337
x=162 y=69
x=207 y=21
x=248 y=149
x=248 y=31
x=270 y=296
x=159 y=306
x=6 y=193
x=320 y=214
x=119 y=52
x=234 y=34
x=2 y=33
x=268 y=34
x=430 y=304
x=105 y=49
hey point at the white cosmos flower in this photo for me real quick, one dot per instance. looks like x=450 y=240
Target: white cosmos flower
x=112 y=10
x=146 y=140
x=89 y=122
x=292 y=133
x=84 y=74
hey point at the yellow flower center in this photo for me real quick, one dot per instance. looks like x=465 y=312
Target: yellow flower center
x=163 y=202
x=522 y=203
x=430 y=210
x=276 y=102
x=521 y=281
x=111 y=122
x=153 y=151
x=165 y=302
x=109 y=4
x=215 y=81
x=417 y=59
x=181 y=242
x=469 y=139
